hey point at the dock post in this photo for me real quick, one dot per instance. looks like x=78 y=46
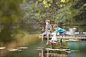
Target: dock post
x=61 y=41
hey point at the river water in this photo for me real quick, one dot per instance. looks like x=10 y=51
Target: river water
x=39 y=49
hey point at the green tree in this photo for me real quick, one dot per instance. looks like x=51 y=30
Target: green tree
x=35 y=12
x=9 y=19
x=68 y=11
x=73 y=13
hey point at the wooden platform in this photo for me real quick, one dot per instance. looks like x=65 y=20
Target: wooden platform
x=57 y=49
x=76 y=36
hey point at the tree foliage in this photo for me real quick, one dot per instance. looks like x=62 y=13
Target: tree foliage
x=9 y=19
x=73 y=13
x=57 y=11
x=69 y=11
x=36 y=13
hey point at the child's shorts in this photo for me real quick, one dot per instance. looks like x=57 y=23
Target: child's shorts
x=47 y=33
x=64 y=33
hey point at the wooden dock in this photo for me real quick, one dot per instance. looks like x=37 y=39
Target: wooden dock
x=76 y=36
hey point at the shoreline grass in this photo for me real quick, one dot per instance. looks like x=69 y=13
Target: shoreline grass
x=26 y=40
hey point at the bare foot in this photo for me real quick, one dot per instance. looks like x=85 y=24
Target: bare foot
x=47 y=43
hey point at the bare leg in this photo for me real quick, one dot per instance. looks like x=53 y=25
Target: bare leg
x=42 y=53
x=42 y=37
x=47 y=38
x=47 y=53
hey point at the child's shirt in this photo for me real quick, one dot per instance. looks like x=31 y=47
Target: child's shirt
x=60 y=30
x=48 y=28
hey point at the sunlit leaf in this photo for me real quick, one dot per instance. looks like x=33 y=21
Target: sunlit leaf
x=62 y=0
x=35 y=4
x=51 y=1
x=69 y=12
x=37 y=14
x=39 y=9
x=49 y=4
x=85 y=4
x=44 y=2
x=33 y=8
x=23 y=0
x=55 y=19
x=29 y=11
x=61 y=5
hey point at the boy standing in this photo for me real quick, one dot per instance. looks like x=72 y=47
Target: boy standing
x=60 y=30
x=48 y=30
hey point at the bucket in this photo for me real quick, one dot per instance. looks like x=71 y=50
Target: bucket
x=80 y=31
x=72 y=30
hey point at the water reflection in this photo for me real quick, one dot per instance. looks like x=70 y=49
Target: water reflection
x=77 y=54
x=2 y=51
x=44 y=52
x=41 y=50
x=55 y=53
x=52 y=53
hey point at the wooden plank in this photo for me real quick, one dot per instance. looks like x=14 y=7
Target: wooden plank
x=2 y=47
x=57 y=49
x=66 y=36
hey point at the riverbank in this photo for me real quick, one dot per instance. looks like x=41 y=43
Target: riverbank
x=20 y=41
